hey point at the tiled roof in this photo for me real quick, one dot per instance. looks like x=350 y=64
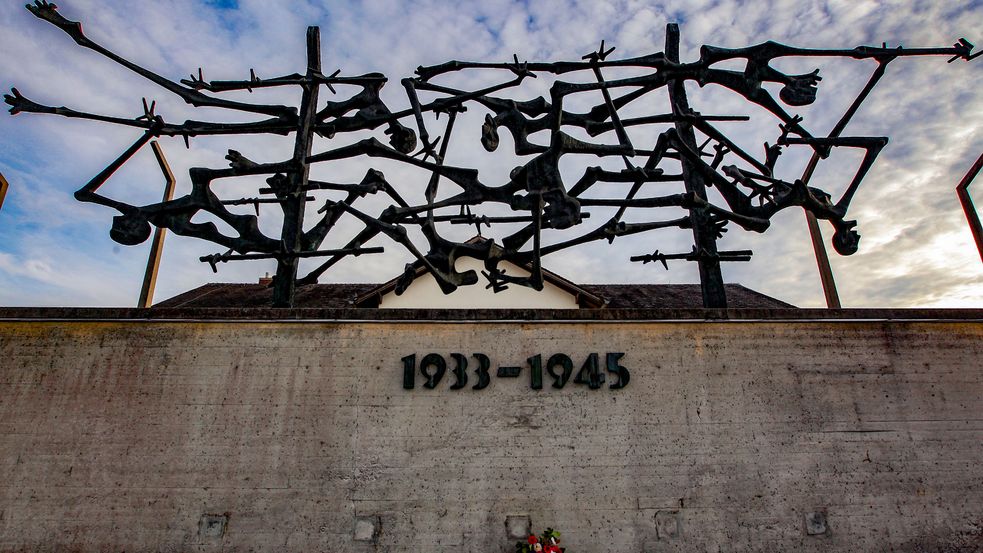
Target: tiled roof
x=638 y=296
x=678 y=296
x=261 y=295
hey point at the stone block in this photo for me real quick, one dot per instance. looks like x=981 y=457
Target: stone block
x=518 y=526
x=212 y=527
x=816 y=524
x=367 y=528
x=667 y=525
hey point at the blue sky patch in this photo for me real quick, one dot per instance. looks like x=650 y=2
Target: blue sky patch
x=224 y=4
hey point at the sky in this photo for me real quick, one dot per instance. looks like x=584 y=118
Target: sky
x=916 y=248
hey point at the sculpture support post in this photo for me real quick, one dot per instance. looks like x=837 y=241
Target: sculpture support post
x=711 y=279
x=822 y=260
x=295 y=202
x=157 y=246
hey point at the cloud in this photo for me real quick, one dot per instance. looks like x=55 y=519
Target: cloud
x=915 y=250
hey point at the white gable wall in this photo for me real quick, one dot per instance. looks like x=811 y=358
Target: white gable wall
x=424 y=293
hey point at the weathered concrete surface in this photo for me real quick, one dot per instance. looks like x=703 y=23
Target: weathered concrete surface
x=298 y=436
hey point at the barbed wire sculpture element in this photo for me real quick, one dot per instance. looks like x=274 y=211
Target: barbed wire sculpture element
x=544 y=199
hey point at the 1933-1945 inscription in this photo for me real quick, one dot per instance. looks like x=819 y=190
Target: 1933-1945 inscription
x=559 y=367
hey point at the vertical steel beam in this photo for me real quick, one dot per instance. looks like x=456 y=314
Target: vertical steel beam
x=962 y=190
x=157 y=246
x=294 y=205
x=711 y=279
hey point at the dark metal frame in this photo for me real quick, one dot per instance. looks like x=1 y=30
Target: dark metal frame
x=536 y=189
x=3 y=189
x=972 y=217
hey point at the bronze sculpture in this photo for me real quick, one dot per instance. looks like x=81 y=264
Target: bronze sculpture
x=537 y=189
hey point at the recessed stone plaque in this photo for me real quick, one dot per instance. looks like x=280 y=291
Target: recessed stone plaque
x=367 y=528
x=816 y=523
x=517 y=526
x=667 y=525
x=212 y=527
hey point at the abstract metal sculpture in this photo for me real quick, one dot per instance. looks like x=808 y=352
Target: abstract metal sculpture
x=751 y=190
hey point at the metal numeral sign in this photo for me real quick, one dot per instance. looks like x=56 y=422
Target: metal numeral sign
x=559 y=367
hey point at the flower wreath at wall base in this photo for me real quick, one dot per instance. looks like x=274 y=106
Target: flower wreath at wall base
x=548 y=542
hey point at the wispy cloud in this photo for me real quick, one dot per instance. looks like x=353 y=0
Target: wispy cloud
x=916 y=248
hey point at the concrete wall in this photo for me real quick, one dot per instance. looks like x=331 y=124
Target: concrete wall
x=298 y=436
